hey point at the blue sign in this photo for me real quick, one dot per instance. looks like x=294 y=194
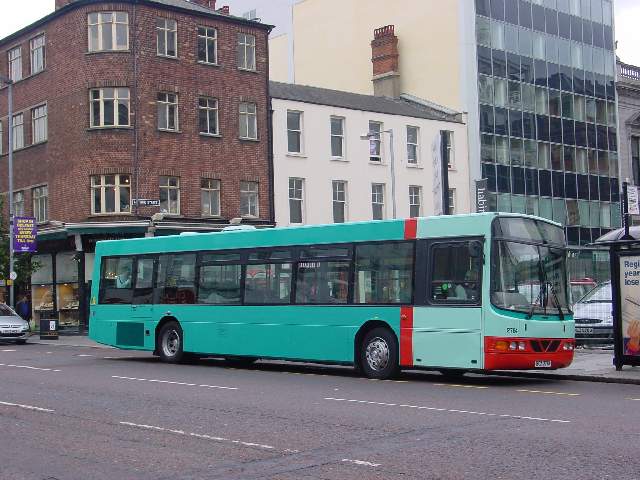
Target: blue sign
x=24 y=234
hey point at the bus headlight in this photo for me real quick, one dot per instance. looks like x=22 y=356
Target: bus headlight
x=567 y=346
x=522 y=346
x=513 y=345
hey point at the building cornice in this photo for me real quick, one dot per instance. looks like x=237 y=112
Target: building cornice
x=81 y=3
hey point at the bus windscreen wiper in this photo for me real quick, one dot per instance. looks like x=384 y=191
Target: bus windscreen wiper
x=533 y=304
x=555 y=298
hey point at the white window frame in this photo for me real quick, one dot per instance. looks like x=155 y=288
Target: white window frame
x=450 y=148
x=207 y=37
x=39 y=124
x=377 y=198
x=18 y=203
x=99 y=183
x=341 y=136
x=164 y=183
x=246 y=52
x=415 y=199
x=210 y=107
x=100 y=24
x=375 y=141
x=165 y=102
x=411 y=145
x=335 y=193
x=247 y=190
x=17 y=129
x=14 y=58
x=248 y=115
x=296 y=199
x=118 y=98
x=169 y=26
x=40 y=197
x=452 y=201
x=210 y=187
x=295 y=132
x=37 y=49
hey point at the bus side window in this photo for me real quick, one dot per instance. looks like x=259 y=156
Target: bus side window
x=384 y=273
x=115 y=280
x=143 y=284
x=268 y=283
x=175 y=282
x=456 y=272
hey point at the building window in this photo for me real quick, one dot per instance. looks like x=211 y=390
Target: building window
x=339 y=188
x=246 y=51
x=208 y=45
x=294 y=132
x=447 y=147
x=18 y=204
x=15 y=64
x=248 y=121
x=210 y=193
x=169 y=195
x=249 y=199
x=167 y=37
x=377 y=200
x=18 y=131
x=452 y=201
x=39 y=124
x=110 y=194
x=412 y=145
x=40 y=203
x=37 y=54
x=415 y=201
x=296 y=191
x=208 y=116
x=168 y=111
x=337 y=137
x=108 y=31
x=375 y=153
x=109 y=107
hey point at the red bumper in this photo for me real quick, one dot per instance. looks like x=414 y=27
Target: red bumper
x=539 y=354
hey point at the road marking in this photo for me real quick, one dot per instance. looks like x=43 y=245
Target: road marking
x=206 y=437
x=173 y=383
x=8 y=350
x=634 y=399
x=449 y=410
x=548 y=393
x=84 y=355
x=28 y=367
x=361 y=462
x=459 y=386
x=27 y=407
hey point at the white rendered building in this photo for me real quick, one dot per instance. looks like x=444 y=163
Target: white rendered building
x=325 y=172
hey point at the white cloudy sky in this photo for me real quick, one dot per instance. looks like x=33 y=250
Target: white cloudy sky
x=15 y=14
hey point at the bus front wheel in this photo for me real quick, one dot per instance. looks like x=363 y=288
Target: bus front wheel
x=379 y=354
x=170 y=343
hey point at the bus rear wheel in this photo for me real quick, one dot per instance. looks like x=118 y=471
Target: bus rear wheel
x=379 y=354
x=170 y=343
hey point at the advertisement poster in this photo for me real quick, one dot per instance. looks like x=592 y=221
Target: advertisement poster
x=630 y=304
x=24 y=234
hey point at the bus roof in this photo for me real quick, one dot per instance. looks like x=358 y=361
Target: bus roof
x=380 y=230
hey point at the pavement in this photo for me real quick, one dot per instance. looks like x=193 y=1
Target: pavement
x=589 y=364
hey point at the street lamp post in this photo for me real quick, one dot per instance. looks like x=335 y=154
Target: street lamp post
x=369 y=136
x=9 y=83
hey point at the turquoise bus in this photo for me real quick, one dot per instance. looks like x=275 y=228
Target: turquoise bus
x=464 y=292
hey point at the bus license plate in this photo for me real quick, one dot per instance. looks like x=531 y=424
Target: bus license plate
x=542 y=364
x=584 y=330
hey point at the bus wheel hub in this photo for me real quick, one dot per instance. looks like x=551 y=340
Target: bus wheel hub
x=377 y=354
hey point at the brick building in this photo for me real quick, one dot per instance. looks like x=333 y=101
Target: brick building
x=119 y=106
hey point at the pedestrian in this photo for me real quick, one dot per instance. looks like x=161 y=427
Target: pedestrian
x=23 y=308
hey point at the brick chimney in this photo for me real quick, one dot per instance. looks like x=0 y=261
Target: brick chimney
x=62 y=3
x=205 y=3
x=384 y=56
x=224 y=10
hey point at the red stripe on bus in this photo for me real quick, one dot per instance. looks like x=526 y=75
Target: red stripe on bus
x=410 y=228
x=406 y=336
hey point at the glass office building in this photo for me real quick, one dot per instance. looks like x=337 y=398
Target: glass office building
x=546 y=85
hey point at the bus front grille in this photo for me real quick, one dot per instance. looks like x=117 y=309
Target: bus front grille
x=547 y=346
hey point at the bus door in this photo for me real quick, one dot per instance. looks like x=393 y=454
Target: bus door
x=142 y=303
x=448 y=327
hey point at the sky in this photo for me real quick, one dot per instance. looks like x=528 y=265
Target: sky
x=15 y=14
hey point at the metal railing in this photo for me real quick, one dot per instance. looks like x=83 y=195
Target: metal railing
x=629 y=71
